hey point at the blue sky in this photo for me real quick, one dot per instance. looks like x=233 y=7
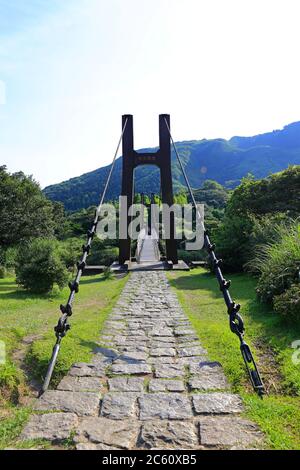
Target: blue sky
x=17 y=15
x=70 y=68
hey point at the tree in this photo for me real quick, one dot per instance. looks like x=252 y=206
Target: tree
x=277 y=193
x=180 y=198
x=213 y=194
x=232 y=241
x=252 y=204
x=24 y=211
x=80 y=221
x=62 y=226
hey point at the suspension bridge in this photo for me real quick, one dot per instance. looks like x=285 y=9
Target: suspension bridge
x=151 y=383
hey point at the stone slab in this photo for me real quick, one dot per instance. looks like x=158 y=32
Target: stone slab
x=131 y=357
x=119 y=434
x=119 y=405
x=217 y=403
x=169 y=371
x=168 y=435
x=191 y=351
x=131 y=369
x=81 y=403
x=229 y=432
x=159 y=352
x=80 y=384
x=209 y=380
x=87 y=370
x=161 y=332
x=53 y=427
x=126 y=384
x=165 y=406
x=162 y=385
x=200 y=366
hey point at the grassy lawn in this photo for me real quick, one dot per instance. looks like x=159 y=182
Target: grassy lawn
x=278 y=413
x=26 y=328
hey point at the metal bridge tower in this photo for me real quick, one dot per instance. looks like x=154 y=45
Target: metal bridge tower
x=132 y=159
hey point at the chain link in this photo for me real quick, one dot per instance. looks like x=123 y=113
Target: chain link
x=63 y=325
x=236 y=322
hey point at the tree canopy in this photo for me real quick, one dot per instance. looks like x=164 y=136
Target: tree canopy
x=254 y=203
x=25 y=212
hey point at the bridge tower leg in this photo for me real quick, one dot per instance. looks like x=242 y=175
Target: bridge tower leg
x=166 y=182
x=127 y=187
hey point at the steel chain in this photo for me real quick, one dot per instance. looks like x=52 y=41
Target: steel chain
x=63 y=325
x=236 y=322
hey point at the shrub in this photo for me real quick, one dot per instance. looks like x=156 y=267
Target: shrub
x=71 y=251
x=107 y=273
x=278 y=263
x=189 y=256
x=40 y=265
x=267 y=229
x=102 y=254
x=232 y=240
x=288 y=303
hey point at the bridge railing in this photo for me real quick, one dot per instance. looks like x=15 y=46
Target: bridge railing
x=140 y=243
x=155 y=238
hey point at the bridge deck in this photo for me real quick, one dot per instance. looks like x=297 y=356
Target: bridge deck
x=149 y=251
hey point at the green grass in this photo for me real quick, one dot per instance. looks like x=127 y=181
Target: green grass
x=11 y=424
x=25 y=315
x=278 y=413
x=279 y=418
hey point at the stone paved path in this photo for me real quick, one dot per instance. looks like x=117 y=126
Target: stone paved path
x=151 y=385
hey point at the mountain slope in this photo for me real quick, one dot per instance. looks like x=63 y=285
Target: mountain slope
x=223 y=161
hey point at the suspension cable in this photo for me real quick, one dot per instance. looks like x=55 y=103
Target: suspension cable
x=236 y=322
x=63 y=325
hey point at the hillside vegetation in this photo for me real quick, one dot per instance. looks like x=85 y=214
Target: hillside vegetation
x=253 y=211
x=226 y=162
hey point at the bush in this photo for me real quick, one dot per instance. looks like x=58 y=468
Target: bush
x=40 y=265
x=71 y=251
x=107 y=273
x=267 y=229
x=288 y=303
x=102 y=254
x=232 y=241
x=248 y=207
x=189 y=256
x=278 y=263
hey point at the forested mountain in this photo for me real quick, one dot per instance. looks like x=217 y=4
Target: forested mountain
x=225 y=161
